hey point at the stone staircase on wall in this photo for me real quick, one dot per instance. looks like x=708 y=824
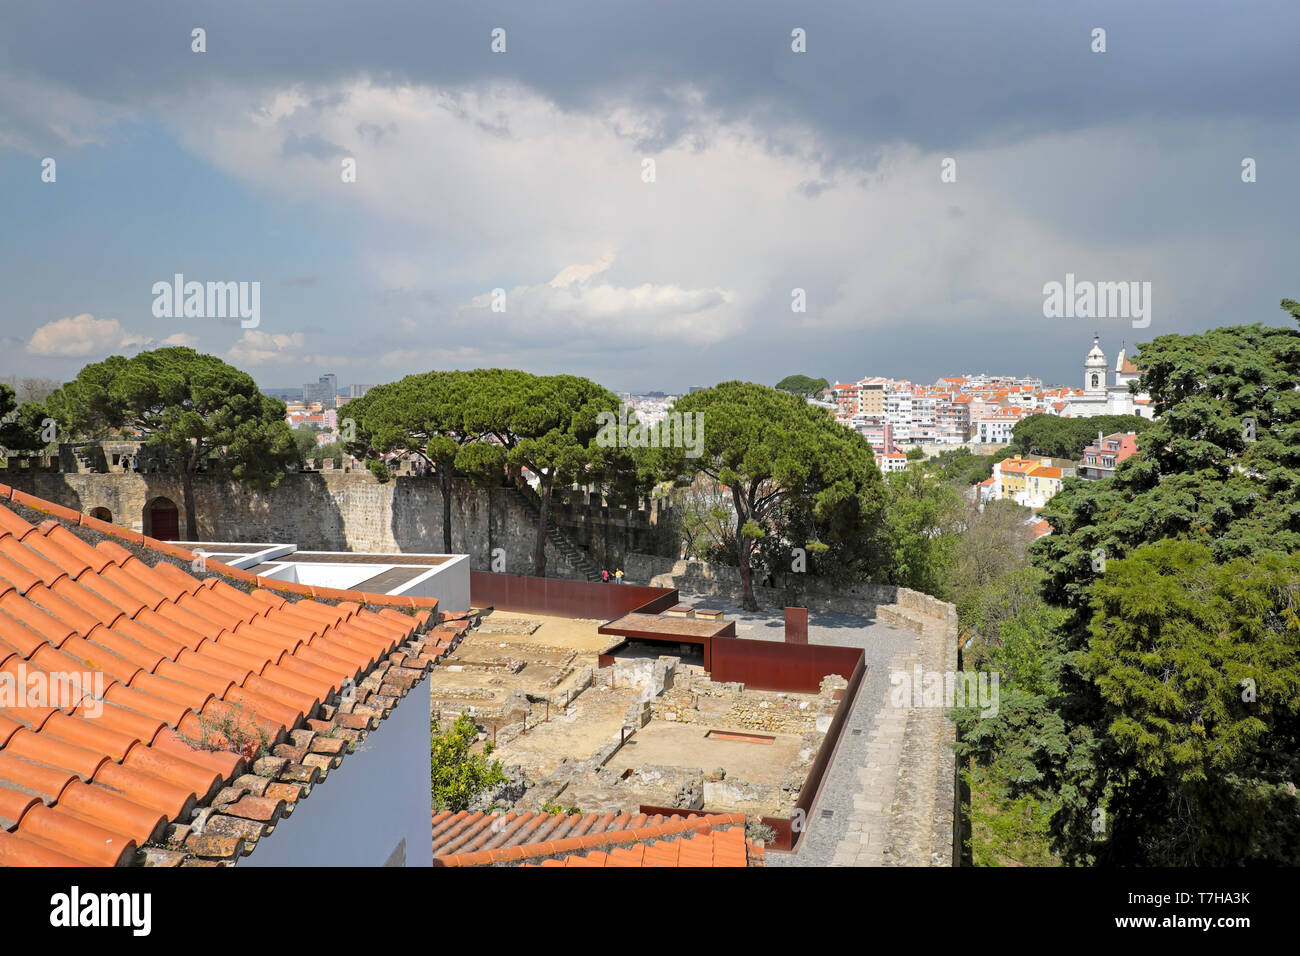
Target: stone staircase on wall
x=575 y=556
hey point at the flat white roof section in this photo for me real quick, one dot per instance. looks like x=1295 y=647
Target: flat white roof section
x=441 y=576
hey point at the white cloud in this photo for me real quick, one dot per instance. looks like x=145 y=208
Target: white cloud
x=79 y=336
x=532 y=191
x=83 y=336
x=462 y=357
x=574 y=304
x=496 y=186
x=257 y=348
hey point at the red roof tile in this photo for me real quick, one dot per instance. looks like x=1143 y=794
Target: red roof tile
x=184 y=663
x=712 y=845
x=477 y=839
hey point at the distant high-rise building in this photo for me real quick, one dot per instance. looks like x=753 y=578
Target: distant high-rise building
x=356 y=391
x=323 y=391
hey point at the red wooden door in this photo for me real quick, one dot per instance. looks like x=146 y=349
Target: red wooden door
x=164 y=522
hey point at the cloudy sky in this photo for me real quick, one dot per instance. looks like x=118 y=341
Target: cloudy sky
x=525 y=171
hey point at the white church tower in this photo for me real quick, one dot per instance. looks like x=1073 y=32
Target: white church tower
x=1101 y=398
x=1094 y=372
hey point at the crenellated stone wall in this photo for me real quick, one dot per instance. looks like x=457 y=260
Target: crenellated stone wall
x=337 y=510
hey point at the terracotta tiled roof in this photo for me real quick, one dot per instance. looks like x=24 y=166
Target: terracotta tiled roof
x=160 y=670
x=467 y=833
x=709 y=847
x=513 y=838
x=1018 y=464
x=76 y=518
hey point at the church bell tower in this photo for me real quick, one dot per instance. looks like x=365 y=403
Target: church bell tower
x=1094 y=370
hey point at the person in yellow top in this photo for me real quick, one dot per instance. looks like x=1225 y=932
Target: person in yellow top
x=618 y=576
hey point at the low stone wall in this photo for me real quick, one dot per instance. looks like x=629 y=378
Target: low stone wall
x=897 y=606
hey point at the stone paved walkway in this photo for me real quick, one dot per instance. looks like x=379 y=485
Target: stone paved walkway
x=878 y=804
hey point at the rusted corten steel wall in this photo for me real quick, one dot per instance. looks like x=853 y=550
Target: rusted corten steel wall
x=767 y=665
x=671 y=638
x=583 y=599
x=667 y=597
x=796 y=625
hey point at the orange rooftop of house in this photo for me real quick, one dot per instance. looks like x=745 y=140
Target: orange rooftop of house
x=132 y=691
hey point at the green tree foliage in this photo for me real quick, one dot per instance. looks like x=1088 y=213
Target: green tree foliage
x=960 y=466
x=549 y=425
x=21 y=423
x=458 y=773
x=193 y=410
x=1197 y=474
x=1014 y=759
x=1198 y=669
x=1055 y=437
x=1175 y=578
x=702 y=518
x=304 y=440
x=922 y=519
x=981 y=608
x=334 y=451
x=423 y=415
x=802 y=385
x=480 y=423
x=787 y=465
x=1149 y=705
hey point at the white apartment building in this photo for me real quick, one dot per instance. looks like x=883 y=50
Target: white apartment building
x=952 y=422
x=898 y=412
x=875 y=430
x=996 y=429
x=891 y=462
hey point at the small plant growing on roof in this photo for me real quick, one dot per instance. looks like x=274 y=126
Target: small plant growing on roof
x=227 y=732
x=459 y=774
x=553 y=806
x=757 y=831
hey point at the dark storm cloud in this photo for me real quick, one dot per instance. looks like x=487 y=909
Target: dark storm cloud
x=1184 y=91
x=938 y=74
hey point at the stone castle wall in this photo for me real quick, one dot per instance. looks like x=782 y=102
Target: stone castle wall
x=334 y=510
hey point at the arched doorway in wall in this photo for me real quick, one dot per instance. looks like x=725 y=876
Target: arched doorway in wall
x=103 y=514
x=162 y=520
